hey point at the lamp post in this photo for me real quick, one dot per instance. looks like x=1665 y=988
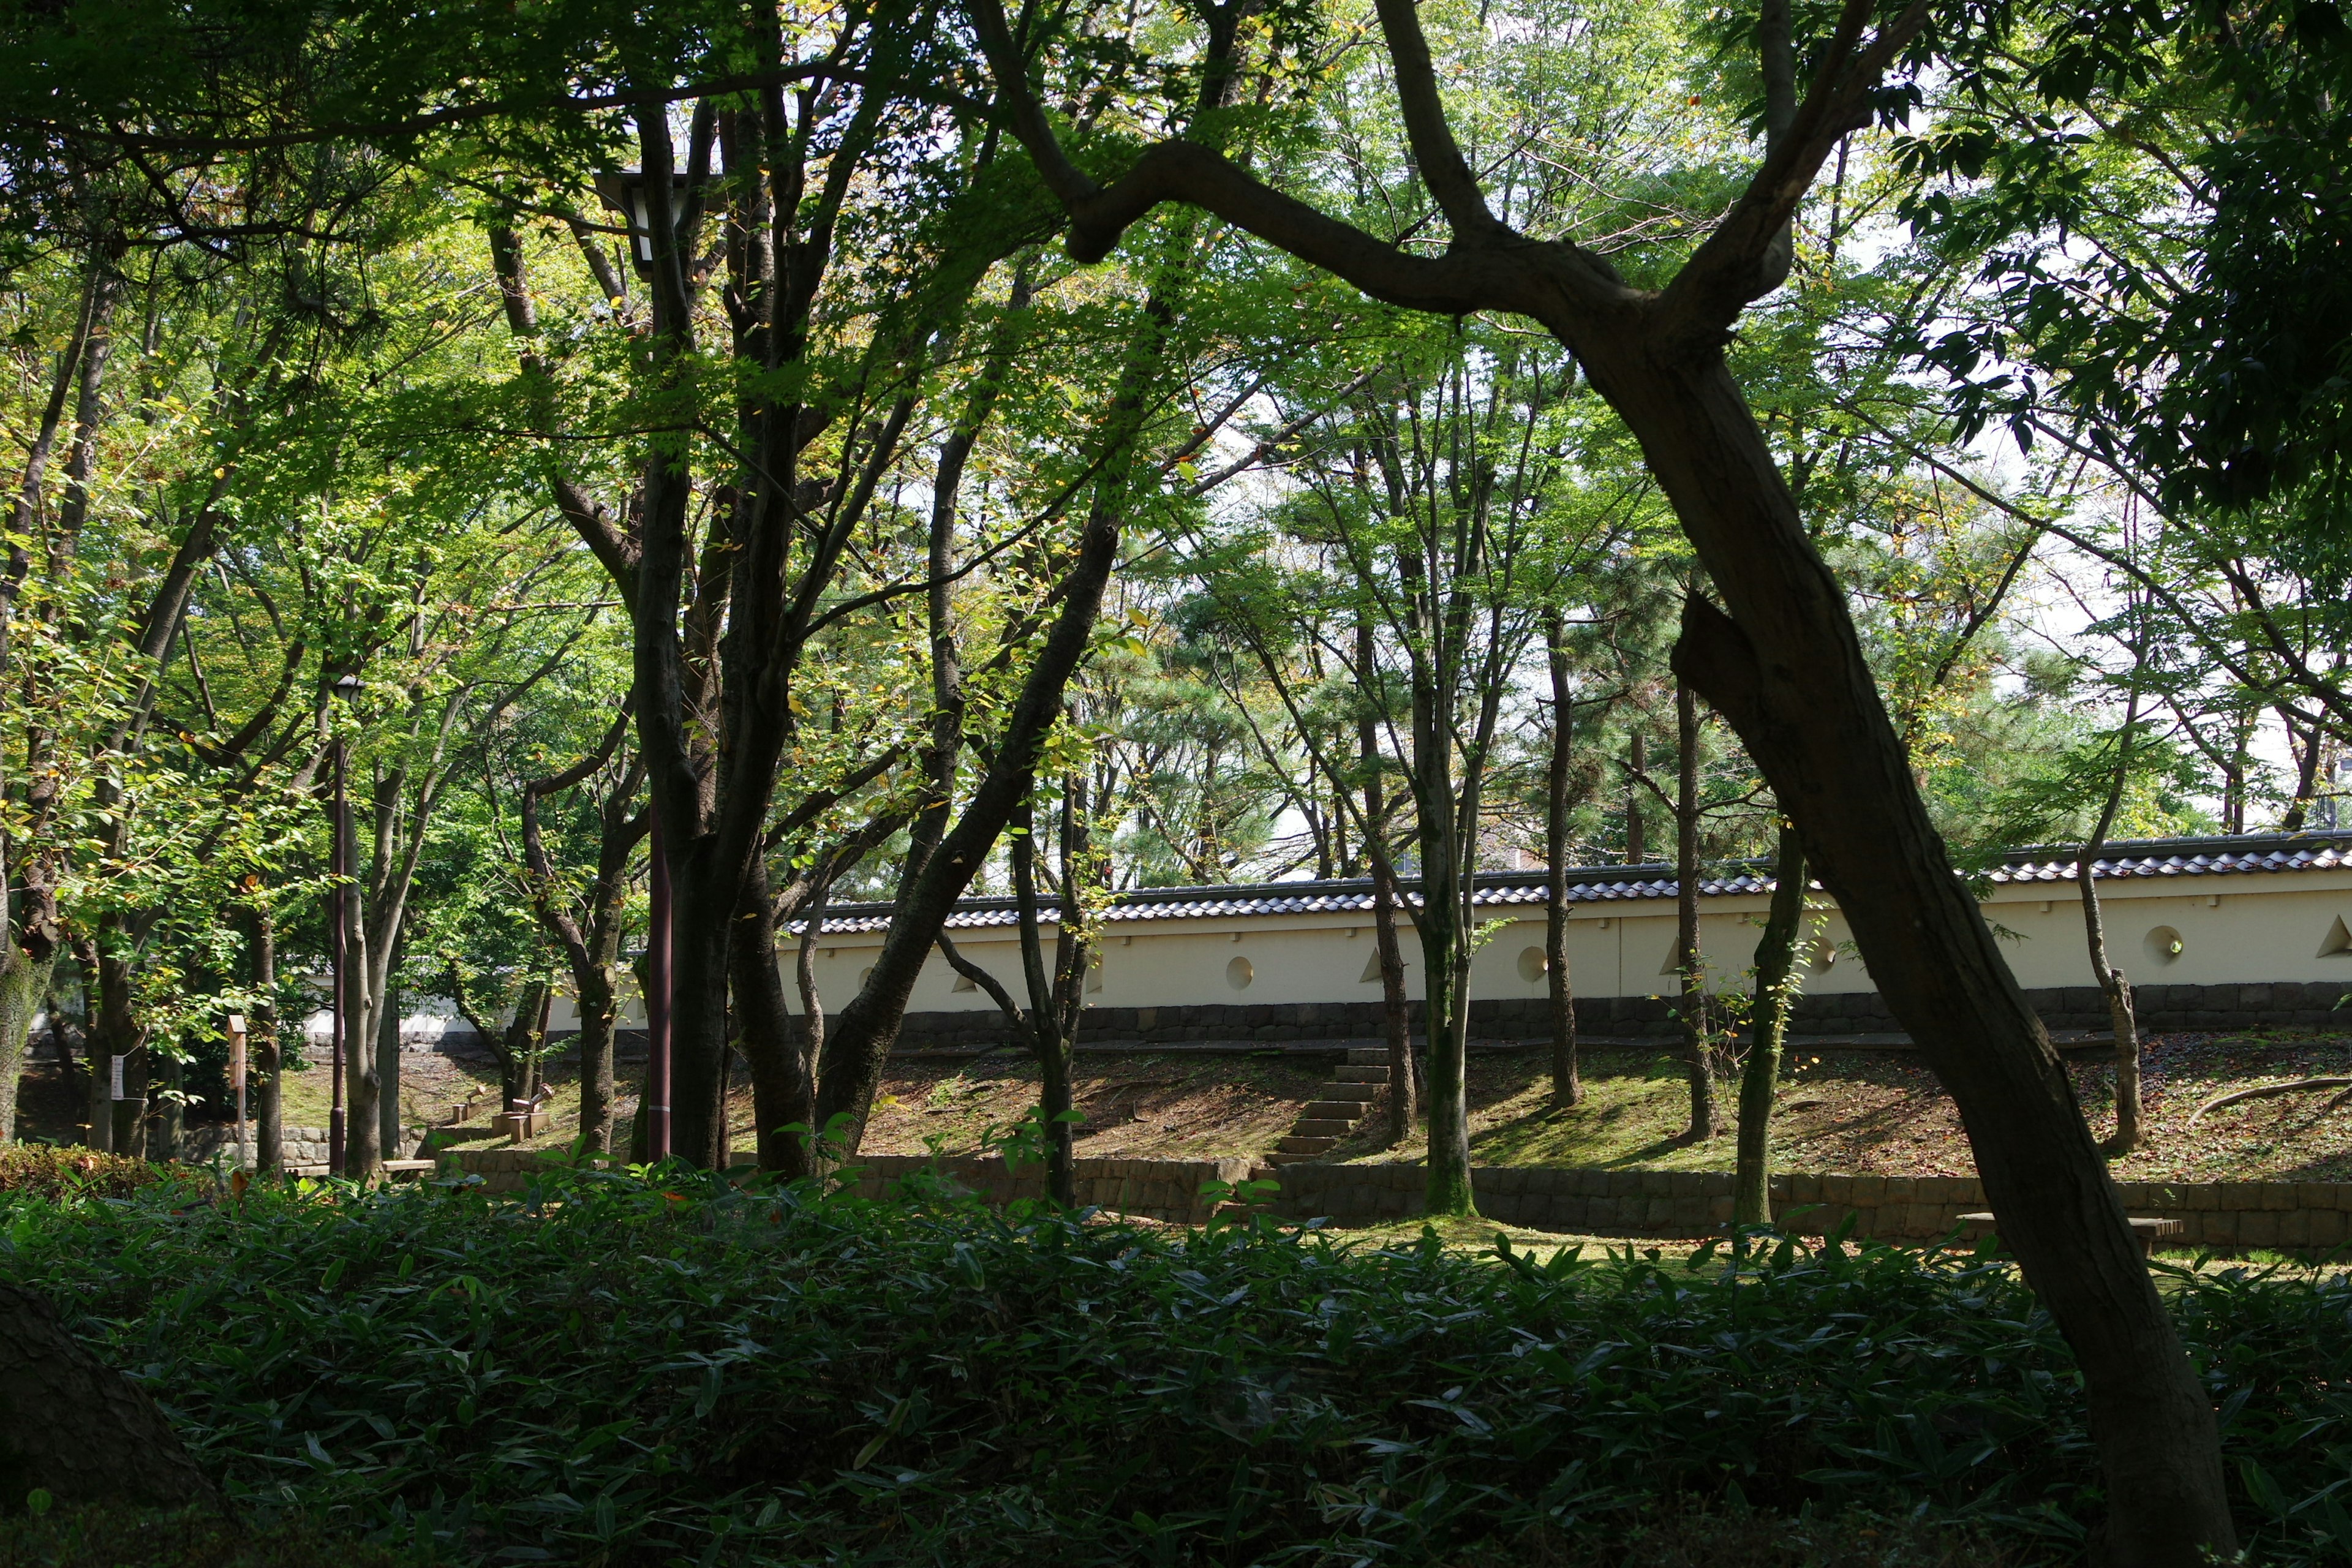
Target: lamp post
x=345 y=688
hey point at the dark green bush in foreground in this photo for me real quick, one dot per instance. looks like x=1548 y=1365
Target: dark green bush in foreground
x=608 y=1372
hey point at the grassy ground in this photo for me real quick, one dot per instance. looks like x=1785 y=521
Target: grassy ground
x=1864 y=1111
x=1878 y=1112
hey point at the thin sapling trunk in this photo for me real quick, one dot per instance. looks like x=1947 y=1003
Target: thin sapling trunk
x=1778 y=978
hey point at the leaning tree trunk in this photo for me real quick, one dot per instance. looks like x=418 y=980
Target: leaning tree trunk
x=2117 y=991
x=1776 y=976
x=1786 y=667
x=74 y=1427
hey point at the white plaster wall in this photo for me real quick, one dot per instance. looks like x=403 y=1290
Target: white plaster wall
x=2240 y=928
x=2245 y=927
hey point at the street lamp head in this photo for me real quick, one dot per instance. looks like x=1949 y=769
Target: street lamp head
x=624 y=191
x=346 y=687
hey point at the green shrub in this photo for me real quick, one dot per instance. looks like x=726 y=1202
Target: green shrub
x=52 y=1170
x=603 y=1372
x=193 y=1537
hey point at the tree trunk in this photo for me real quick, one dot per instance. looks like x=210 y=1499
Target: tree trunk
x=1787 y=667
x=1396 y=1012
x=704 y=902
x=597 y=1010
x=387 y=1065
x=1396 y=1008
x=24 y=980
x=1690 y=961
x=269 y=1057
x=76 y=1428
x=1784 y=662
x=1566 y=1088
x=1777 y=981
x=2117 y=991
x=781 y=1095
x=1637 y=763
x=171 y=1111
x=116 y=1033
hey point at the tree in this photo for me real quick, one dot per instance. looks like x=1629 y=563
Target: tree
x=74 y=1427
x=1779 y=658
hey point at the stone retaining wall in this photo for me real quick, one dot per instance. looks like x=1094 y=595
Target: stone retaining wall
x=300 y=1145
x=1155 y=1189
x=1684 y=1204
x=2277 y=1004
x=1661 y=1205
x=503 y=1170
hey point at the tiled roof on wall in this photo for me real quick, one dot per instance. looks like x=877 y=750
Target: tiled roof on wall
x=1595 y=884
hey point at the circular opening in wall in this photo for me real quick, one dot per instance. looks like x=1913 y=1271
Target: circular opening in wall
x=1821 y=954
x=2163 y=944
x=1238 y=973
x=1533 y=965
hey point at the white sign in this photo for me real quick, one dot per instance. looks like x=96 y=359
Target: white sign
x=237 y=1023
x=118 y=1076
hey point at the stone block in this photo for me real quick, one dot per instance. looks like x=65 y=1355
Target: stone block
x=1869 y=1191
x=2294 y=1228
x=1656 y=1184
x=1685 y=1184
x=1718 y=1210
x=2279 y=1196
x=1689 y=1213
x=1657 y=1213
x=2315 y=1195
x=2326 y=1228
x=2259 y=1228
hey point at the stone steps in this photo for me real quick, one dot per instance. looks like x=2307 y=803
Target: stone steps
x=1337 y=1106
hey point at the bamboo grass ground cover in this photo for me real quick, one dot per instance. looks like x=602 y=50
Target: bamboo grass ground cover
x=613 y=1371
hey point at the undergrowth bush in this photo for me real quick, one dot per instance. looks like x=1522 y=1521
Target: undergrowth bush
x=51 y=1171
x=174 y=1538
x=607 y=1371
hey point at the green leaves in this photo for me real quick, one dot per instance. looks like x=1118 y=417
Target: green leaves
x=620 y=1373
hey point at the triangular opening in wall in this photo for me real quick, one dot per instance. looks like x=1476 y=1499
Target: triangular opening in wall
x=1372 y=975
x=963 y=983
x=2338 y=939
x=1671 y=967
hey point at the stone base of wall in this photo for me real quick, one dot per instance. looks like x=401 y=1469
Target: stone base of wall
x=2288 y=1216
x=300 y=1145
x=1691 y=1205
x=1153 y=1189
x=506 y=1170
x=2277 y=1005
